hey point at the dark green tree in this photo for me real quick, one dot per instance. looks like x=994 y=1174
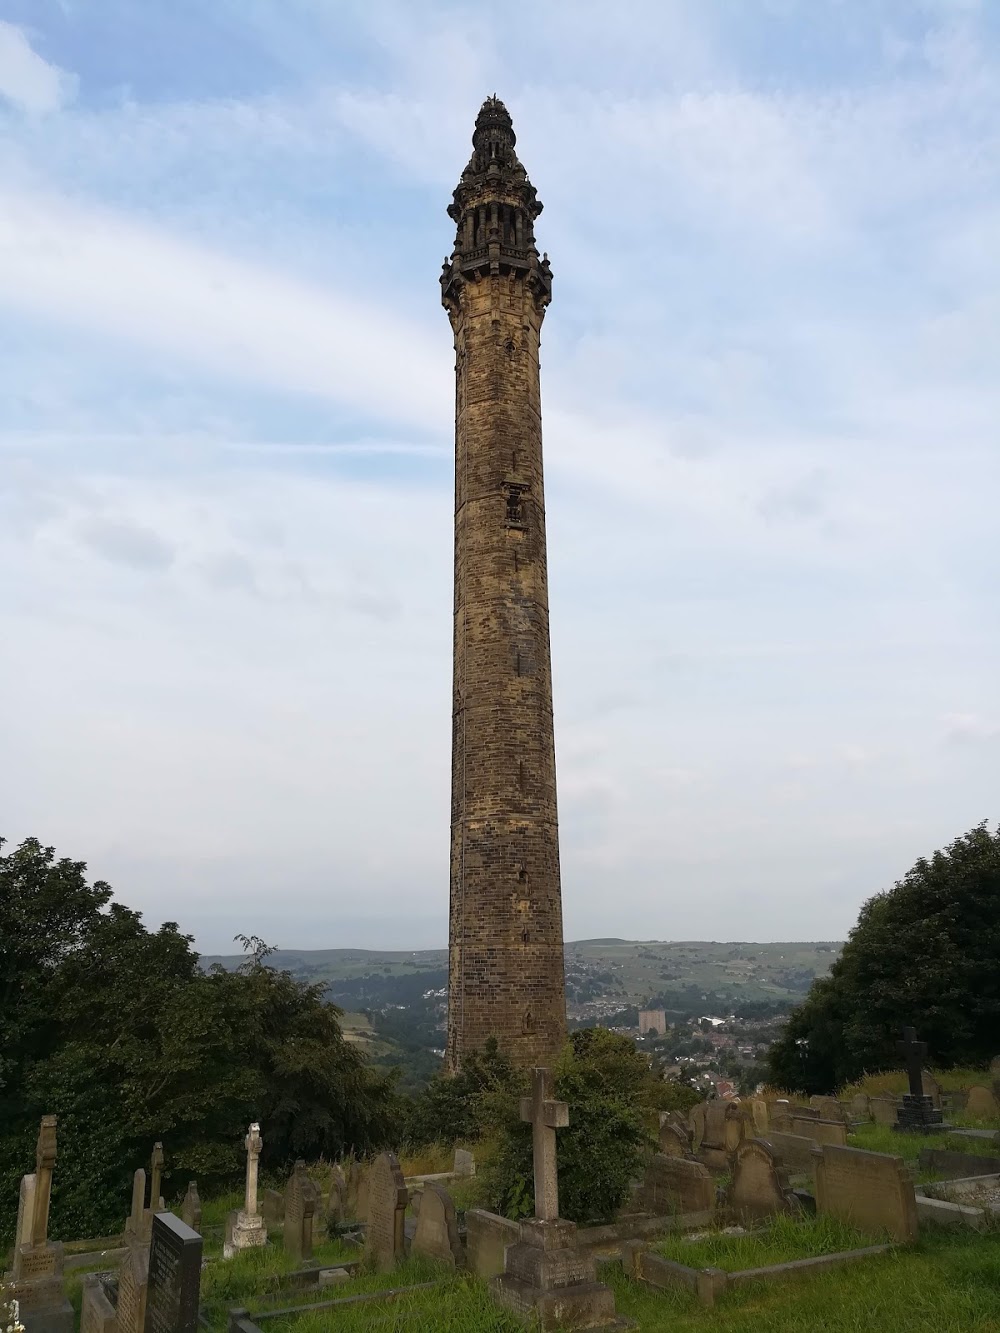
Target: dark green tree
x=926 y=953
x=118 y=1031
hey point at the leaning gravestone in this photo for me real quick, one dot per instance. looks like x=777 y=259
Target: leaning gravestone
x=387 y=1198
x=872 y=1191
x=174 y=1277
x=794 y=1150
x=437 y=1227
x=191 y=1207
x=760 y=1186
x=672 y=1185
x=981 y=1104
x=301 y=1198
x=761 y=1122
x=673 y=1141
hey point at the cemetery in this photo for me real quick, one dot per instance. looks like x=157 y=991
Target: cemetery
x=777 y=1204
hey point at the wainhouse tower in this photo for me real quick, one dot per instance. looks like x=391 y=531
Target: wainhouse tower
x=505 y=977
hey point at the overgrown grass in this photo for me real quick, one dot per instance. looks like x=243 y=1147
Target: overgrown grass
x=780 y=1241
x=458 y=1304
x=948 y=1283
x=895 y=1082
x=252 y=1278
x=882 y=1138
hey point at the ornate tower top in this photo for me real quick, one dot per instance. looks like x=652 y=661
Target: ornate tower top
x=494 y=208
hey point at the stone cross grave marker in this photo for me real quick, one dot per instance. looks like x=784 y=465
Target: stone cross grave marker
x=387 y=1199
x=174 y=1277
x=545 y=1115
x=248 y=1225
x=38 y=1262
x=917 y=1112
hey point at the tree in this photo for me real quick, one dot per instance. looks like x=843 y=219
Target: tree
x=456 y=1108
x=119 y=1032
x=926 y=953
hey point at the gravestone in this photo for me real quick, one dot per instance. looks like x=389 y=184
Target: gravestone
x=133 y=1281
x=301 y=1198
x=437 y=1227
x=760 y=1185
x=981 y=1104
x=884 y=1110
x=931 y=1088
x=726 y=1127
x=872 y=1191
x=191 y=1207
x=761 y=1121
x=673 y=1185
x=828 y=1107
x=487 y=1236
x=794 y=1150
x=917 y=1113
x=673 y=1141
x=139 y=1223
x=820 y=1131
x=336 y=1201
x=37 y=1273
x=861 y=1106
x=97 y=1313
x=248 y=1229
x=174 y=1277
x=547 y=1277
x=465 y=1163
x=387 y=1198
x=272 y=1209
x=696 y=1121
x=156 y=1181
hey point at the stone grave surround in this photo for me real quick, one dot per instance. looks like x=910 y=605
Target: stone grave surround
x=247 y=1229
x=760 y=1187
x=174 y=1277
x=36 y=1278
x=547 y=1276
x=387 y=1199
x=436 y=1234
x=868 y=1190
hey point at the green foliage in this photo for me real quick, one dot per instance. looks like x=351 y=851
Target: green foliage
x=117 y=1031
x=609 y=1088
x=926 y=953
x=455 y=1108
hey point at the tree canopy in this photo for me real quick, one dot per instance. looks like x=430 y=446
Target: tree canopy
x=119 y=1032
x=925 y=953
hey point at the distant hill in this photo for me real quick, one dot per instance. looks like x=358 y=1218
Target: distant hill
x=601 y=974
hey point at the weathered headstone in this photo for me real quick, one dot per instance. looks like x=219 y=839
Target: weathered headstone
x=673 y=1185
x=133 y=1280
x=191 y=1207
x=156 y=1180
x=37 y=1273
x=248 y=1229
x=820 y=1131
x=336 y=1202
x=861 y=1106
x=301 y=1198
x=465 y=1163
x=884 y=1110
x=760 y=1185
x=828 y=1107
x=696 y=1120
x=794 y=1150
x=917 y=1113
x=487 y=1236
x=272 y=1209
x=547 y=1276
x=387 y=1198
x=869 y=1190
x=673 y=1141
x=727 y=1125
x=174 y=1277
x=437 y=1227
x=761 y=1121
x=981 y=1104
x=139 y=1223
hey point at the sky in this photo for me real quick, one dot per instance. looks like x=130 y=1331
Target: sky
x=771 y=407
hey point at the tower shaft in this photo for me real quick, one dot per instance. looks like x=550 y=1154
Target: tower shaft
x=505 y=928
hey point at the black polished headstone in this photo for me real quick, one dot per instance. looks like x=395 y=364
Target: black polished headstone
x=174 y=1277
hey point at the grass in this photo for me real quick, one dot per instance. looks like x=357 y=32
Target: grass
x=895 y=1082
x=782 y=1240
x=882 y=1138
x=948 y=1283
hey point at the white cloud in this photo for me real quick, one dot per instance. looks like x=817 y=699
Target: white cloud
x=26 y=79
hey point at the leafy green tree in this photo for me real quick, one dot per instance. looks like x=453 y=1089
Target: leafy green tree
x=926 y=953
x=457 y=1108
x=119 y=1032
x=610 y=1092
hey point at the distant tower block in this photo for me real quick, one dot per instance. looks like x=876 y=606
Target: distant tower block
x=506 y=941
x=653 y=1020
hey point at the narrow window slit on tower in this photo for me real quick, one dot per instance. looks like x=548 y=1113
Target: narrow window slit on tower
x=515 y=506
x=517 y=657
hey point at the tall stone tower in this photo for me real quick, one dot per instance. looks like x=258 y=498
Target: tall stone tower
x=506 y=943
